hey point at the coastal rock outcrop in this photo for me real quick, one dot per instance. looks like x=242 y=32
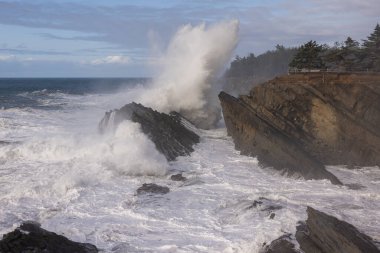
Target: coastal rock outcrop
x=282 y=244
x=30 y=237
x=168 y=132
x=323 y=233
x=152 y=189
x=301 y=122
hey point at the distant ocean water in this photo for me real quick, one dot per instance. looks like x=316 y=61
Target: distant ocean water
x=27 y=92
x=56 y=169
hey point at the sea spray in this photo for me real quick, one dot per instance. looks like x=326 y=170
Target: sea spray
x=89 y=159
x=189 y=69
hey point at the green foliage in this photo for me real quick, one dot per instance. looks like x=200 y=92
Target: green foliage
x=309 y=56
x=345 y=56
x=268 y=64
x=371 y=50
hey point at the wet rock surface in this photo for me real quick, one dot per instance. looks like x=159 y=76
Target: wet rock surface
x=299 y=123
x=167 y=132
x=326 y=234
x=178 y=177
x=266 y=205
x=322 y=233
x=281 y=245
x=152 y=189
x=31 y=238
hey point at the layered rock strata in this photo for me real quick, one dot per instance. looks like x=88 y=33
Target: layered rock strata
x=168 y=132
x=302 y=122
x=322 y=233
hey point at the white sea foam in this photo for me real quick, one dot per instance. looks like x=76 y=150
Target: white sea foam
x=83 y=185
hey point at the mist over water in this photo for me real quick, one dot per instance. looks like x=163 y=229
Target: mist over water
x=56 y=169
x=189 y=69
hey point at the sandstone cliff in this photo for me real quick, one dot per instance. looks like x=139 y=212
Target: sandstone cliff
x=301 y=122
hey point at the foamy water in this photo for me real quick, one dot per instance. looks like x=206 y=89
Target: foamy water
x=75 y=182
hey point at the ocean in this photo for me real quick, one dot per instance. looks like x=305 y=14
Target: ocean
x=57 y=169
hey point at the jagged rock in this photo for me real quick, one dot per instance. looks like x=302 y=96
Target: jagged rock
x=282 y=244
x=167 y=132
x=255 y=204
x=323 y=233
x=265 y=205
x=152 y=188
x=31 y=238
x=178 y=177
x=302 y=122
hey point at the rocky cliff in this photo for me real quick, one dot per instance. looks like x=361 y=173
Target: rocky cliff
x=168 y=132
x=322 y=233
x=302 y=122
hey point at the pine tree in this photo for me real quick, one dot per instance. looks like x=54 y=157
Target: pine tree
x=371 y=50
x=308 y=57
x=350 y=55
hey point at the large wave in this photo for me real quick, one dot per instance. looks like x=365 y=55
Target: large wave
x=189 y=69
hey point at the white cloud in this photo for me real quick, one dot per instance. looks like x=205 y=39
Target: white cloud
x=111 y=59
x=7 y=57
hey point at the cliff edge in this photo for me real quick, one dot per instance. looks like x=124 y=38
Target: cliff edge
x=301 y=122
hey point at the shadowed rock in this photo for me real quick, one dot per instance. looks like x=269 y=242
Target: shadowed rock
x=299 y=123
x=281 y=245
x=152 y=188
x=167 y=132
x=323 y=233
x=178 y=177
x=31 y=238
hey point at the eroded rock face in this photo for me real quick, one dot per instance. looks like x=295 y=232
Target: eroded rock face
x=302 y=122
x=323 y=233
x=167 y=132
x=30 y=237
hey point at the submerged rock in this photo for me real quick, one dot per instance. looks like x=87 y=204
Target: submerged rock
x=167 y=132
x=30 y=237
x=299 y=123
x=153 y=188
x=323 y=233
x=281 y=245
x=178 y=177
x=265 y=205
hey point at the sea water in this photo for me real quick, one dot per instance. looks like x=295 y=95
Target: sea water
x=58 y=170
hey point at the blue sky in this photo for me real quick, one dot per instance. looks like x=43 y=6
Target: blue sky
x=114 y=38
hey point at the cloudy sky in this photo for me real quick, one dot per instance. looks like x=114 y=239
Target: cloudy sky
x=120 y=38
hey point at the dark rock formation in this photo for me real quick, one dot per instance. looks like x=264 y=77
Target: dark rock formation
x=265 y=205
x=302 y=122
x=152 y=188
x=323 y=233
x=167 y=132
x=30 y=237
x=281 y=245
x=178 y=177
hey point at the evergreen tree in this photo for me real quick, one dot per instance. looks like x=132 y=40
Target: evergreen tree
x=309 y=56
x=371 y=50
x=350 y=55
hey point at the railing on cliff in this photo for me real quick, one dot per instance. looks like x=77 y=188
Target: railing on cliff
x=305 y=70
